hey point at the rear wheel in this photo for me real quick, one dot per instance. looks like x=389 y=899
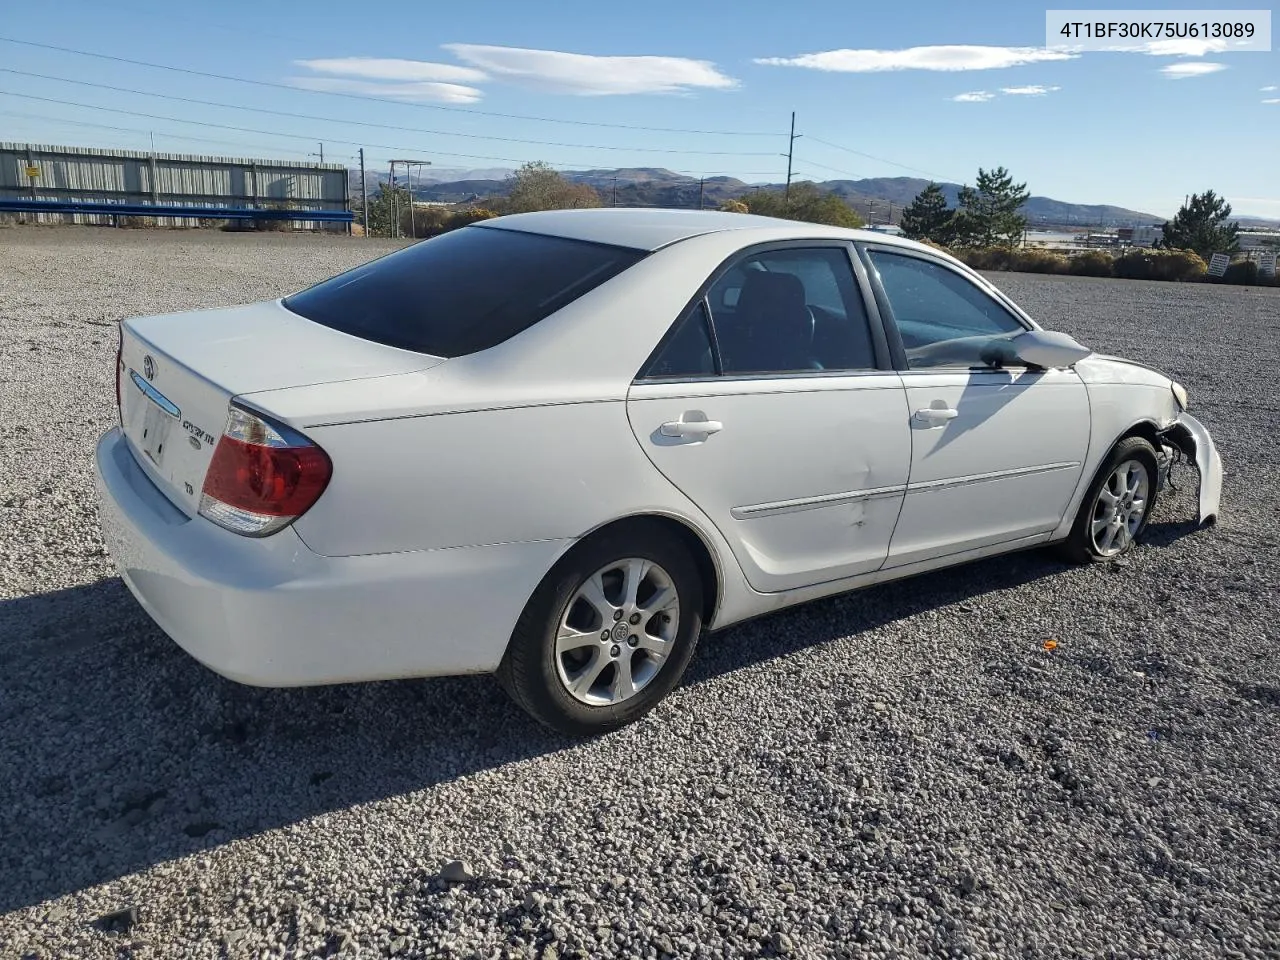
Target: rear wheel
x=1118 y=504
x=608 y=633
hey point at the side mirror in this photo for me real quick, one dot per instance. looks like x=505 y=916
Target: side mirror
x=1047 y=349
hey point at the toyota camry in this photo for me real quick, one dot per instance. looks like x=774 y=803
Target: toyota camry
x=560 y=446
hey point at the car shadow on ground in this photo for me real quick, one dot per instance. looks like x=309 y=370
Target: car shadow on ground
x=120 y=752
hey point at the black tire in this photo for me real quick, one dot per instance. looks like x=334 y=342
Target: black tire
x=1079 y=547
x=530 y=671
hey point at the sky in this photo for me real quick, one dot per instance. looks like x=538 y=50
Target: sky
x=925 y=89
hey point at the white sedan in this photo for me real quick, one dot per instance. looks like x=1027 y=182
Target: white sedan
x=558 y=446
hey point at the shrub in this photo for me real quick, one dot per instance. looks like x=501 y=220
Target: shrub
x=1241 y=272
x=1185 y=265
x=986 y=258
x=1160 y=265
x=1092 y=263
x=1040 y=261
x=431 y=221
x=464 y=217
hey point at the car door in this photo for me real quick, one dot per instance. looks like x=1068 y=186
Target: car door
x=996 y=450
x=772 y=405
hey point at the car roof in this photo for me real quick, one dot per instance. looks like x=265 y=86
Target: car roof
x=650 y=229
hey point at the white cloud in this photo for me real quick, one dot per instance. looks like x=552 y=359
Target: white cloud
x=1270 y=88
x=587 y=75
x=1273 y=100
x=1180 y=71
x=379 y=68
x=943 y=57
x=1034 y=90
x=977 y=96
x=437 y=92
x=1187 y=47
x=1174 y=47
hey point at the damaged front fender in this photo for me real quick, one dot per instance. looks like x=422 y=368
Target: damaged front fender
x=1189 y=435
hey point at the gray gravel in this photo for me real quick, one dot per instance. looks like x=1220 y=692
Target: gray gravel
x=902 y=771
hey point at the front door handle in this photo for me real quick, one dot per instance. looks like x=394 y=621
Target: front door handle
x=690 y=428
x=936 y=415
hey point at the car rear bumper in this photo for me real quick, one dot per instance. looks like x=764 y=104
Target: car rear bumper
x=270 y=612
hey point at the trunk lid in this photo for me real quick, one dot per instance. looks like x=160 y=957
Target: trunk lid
x=179 y=373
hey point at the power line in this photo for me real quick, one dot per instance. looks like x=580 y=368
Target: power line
x=310 y=137
x=44 y=118
x=366 y=98
x=859 y=153
x=382 y=126
x=815 y=163
x=236 y=143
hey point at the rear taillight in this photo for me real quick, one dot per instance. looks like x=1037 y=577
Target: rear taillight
x=263 y=476
x=119 y=374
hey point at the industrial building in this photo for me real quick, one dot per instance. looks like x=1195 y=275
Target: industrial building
x=66 y=176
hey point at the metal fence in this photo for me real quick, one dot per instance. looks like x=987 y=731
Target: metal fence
x=37 y=172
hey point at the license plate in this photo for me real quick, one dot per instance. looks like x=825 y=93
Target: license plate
x=155 y=432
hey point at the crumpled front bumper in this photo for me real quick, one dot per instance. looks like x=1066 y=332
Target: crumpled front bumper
x=1190 y=436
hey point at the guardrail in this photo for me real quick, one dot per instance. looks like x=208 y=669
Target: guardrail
x=158 y=210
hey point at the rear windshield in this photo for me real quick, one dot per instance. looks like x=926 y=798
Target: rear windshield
x=463 y=291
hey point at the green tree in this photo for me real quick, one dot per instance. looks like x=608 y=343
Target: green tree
x=381 y=204
x=536 y=186
x=928 y=217
x=1201 y=225
x=988 y=213
x=806 y=202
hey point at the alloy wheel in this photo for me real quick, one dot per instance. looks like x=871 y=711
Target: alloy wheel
x=1119 y=508
x=617 y=631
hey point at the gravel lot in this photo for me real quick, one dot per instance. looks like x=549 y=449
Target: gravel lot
x=901 y=771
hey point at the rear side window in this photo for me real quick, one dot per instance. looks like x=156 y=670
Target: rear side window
x=461 y=292
x=688 y=352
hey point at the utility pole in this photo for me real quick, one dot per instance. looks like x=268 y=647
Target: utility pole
x=791 y=147
x=322 y=153
x=614 y=202
x=701 y=184
x=364 y=194
x=395 y=220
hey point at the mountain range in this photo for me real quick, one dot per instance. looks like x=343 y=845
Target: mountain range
x=877 y=199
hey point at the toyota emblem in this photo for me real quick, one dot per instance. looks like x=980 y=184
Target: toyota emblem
x=149 y=367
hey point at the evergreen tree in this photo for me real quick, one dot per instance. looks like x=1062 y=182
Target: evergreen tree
x=988 y=214
x=1201 y=225
x=927 y=217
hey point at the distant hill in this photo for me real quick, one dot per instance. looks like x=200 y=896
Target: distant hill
x=876 y=198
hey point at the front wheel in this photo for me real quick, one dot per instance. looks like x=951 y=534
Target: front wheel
x=607 y=634
x=1118 y=504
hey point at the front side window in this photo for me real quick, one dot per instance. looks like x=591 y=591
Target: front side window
x=461 y=292
x=944 y=319
x=791 y=311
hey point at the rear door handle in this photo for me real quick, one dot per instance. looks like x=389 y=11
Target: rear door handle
x=936 y=415
x=690 y=428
